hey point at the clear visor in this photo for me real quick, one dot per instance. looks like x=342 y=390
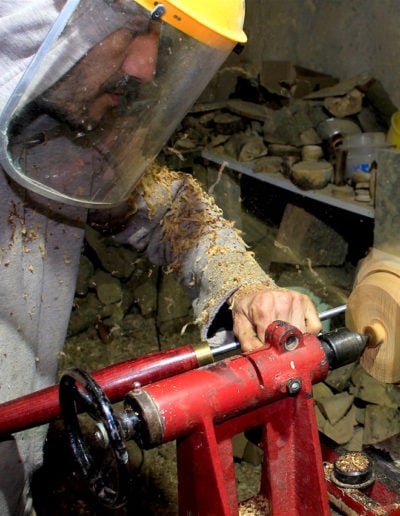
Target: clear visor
x=101 y=97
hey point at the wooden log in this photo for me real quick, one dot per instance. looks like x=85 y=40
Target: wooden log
x=379 y=99
x=249 y=109
x=346 y=105
x=339 y=378
x=245 y=147
x=335 y=407
x=380 y=423
x=311 y=175
x=343 y=431
x=373 y=309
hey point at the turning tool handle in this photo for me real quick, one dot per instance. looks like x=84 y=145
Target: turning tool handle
x=331 y=312
x=235 y=345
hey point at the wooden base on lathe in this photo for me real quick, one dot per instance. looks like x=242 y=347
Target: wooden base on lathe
x=374 y=309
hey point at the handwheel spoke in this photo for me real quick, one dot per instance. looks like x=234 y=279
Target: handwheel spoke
x=107 y=479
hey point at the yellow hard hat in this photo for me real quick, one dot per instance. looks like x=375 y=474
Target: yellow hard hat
x=216 y=23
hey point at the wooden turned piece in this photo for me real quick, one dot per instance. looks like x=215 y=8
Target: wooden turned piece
x=376 y=334
x=373 y=309
x=311 y=175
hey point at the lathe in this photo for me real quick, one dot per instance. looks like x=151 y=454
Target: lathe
x=175 y=396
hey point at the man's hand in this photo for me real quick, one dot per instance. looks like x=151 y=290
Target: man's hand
x=254 y=307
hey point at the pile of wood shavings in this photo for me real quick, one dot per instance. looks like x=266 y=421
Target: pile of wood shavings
x=352 y=462
x=257 y=506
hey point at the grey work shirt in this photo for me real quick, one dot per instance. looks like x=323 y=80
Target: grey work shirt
x=39 y=258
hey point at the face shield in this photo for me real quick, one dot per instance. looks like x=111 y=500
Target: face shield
x=104 y=92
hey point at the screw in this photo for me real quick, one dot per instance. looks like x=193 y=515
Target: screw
x=136 y=387
x=158 y=12
x=293 y=385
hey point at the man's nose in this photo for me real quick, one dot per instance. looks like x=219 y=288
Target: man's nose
x=141 y=59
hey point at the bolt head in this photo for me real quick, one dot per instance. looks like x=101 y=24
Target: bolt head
x=293 y=385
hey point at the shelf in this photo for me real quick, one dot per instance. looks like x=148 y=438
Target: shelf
x=324 y=195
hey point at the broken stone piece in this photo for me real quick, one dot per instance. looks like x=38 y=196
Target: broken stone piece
x=108 y=288
x=86 y=271
x=356 y=442
x=371 y=390
x=380 y=423
x=339 y=378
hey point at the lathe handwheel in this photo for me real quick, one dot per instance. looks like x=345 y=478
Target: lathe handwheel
x=79 y=392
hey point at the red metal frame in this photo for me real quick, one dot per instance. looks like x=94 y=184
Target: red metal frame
x=203 y=409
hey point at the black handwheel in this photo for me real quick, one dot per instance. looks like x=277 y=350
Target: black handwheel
x=78 y=391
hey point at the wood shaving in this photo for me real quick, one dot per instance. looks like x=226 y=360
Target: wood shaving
x=190 y=217
x=352 y=462
x=257 y=506
x=251 y=288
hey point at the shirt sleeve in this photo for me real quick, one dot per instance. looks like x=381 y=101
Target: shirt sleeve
x=174 y=223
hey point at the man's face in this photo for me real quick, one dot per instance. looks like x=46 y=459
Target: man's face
x=114 y=68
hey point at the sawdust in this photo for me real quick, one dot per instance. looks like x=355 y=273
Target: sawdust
x=257 y=506
x=352 y=462
x=190 y=218
x=193 y=221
